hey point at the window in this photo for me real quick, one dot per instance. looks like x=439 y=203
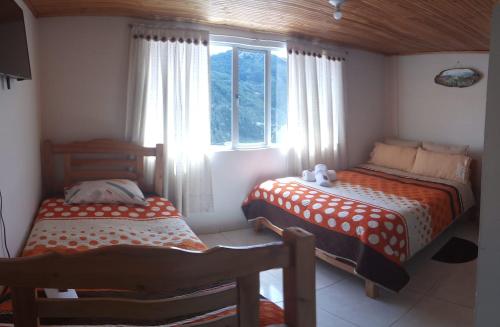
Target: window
x=248 y=94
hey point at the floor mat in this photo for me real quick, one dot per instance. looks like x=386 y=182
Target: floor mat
x=457 y=250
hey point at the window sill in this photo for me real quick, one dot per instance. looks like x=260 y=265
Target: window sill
x=224 y=148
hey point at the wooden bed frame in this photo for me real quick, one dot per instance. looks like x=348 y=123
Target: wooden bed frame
x=146 y=269
x=99 y=159
x=371 y=288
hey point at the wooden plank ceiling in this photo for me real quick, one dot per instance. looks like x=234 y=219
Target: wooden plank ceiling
x=386 y=26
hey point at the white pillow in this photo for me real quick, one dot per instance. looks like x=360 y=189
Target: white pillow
x=105 y=191
x=392 y=156
x=455 y=167
x=444 y=148
x=401 y=142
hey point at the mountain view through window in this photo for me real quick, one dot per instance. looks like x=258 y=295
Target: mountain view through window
x=251 y=86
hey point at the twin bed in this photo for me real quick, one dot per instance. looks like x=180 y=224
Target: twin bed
x=369 y=223
x=139 y=265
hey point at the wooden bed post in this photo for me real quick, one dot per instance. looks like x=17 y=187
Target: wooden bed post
x=158 y=176
x=248 y=300
x=299 y=279
x=24 y=305
x=371 y=289
x=47 y=169
x=67 y=170
x=139 y=164
x=258 y=226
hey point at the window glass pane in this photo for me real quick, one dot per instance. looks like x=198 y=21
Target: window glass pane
x=251 y=90
x=279 y=95
x=221 y=62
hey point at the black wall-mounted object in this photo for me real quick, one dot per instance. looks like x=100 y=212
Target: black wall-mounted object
x=14 y=55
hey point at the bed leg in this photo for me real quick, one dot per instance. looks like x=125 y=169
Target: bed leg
x=371 y=289
x=258 y=225
x=24 y=307
x=299 y=279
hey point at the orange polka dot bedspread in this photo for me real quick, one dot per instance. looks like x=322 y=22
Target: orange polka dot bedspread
x=61 y=227
x=66 y=228
x=374 y=218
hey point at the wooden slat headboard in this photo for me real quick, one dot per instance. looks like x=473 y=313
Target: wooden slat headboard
x=99 y=159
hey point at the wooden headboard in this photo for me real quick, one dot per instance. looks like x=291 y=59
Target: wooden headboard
x=99 y=159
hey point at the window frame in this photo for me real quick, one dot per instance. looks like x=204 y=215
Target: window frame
x=243 y=44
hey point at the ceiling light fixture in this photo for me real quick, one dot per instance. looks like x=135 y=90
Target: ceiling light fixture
x=337 y=14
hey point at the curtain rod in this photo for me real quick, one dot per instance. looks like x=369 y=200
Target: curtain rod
x=285 y=39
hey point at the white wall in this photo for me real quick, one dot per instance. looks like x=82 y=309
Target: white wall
x=84 y=67
x=365 y=102
x=19 y=146
x=234 y=174
x=84 y=73
x=488 y=287
x=423 y=110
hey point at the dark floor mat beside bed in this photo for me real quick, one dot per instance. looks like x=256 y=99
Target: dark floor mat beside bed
x=457 y=250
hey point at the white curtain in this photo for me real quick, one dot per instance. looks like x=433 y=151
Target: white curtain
x=168 y=102
x=316 y=119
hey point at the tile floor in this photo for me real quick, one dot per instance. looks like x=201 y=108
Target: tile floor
x=438 y=294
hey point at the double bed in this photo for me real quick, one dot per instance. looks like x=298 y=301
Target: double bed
x=369 y=222
x=140 y=264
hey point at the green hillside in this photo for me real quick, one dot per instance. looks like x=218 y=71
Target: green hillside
x=251 y=92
